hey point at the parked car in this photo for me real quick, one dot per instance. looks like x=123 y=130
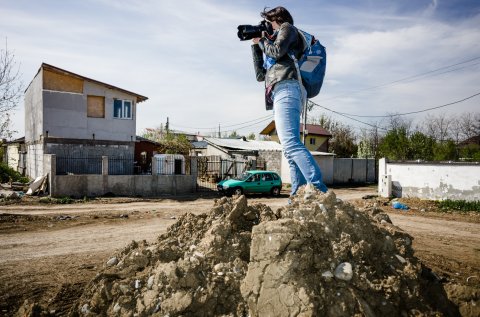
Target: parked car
x=252 y=182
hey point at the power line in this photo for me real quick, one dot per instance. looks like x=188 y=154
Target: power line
x=412 y=112
x=225 y=126
x=409 y=78
x=346 y=116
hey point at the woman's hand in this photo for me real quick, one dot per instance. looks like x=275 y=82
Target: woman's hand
x=256 y=40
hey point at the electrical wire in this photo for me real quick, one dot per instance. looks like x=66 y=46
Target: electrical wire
x=409 y=78
x=407 y=113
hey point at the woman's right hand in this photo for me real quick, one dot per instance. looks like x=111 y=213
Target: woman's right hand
x=256 y=40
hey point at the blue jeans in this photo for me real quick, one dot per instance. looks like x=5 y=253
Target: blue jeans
x=288 y=100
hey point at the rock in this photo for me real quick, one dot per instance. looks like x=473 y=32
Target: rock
x=112 y=261
x=401 y=259
x=344 y=271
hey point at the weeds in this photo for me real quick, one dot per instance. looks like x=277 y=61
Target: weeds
x=459 y=205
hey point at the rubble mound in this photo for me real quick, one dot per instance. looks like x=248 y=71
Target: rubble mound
x=317 y=256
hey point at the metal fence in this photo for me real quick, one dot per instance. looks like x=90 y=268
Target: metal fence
x=212 y=169
x=78 y=165
x=121 y=166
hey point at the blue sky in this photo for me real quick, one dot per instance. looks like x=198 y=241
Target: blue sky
x=185 y=55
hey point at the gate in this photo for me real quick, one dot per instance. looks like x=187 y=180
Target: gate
x=212 y=169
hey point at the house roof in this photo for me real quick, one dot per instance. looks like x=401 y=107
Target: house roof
x=241 y=144
x=142 y=139
x=311 y=128
x=472 y=140
x=140 y=98
x=199 y=144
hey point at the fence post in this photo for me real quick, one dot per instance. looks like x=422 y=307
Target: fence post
x=104 y=165
x=50 y=168
x=154 y=166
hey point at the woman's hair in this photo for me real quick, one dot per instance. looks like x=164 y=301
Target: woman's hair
x=278 y=14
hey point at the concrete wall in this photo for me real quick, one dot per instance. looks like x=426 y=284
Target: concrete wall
x=13 y=155
x=273 y=160
x=33 y=110
x=435 y=181
x=34 y=160
x=121 y=185
x=65 y=115
x=325 y=162
x=353 y=170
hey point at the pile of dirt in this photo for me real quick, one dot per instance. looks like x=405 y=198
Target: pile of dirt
x=317 y=256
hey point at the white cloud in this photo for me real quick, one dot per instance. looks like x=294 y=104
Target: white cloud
x=185 y=56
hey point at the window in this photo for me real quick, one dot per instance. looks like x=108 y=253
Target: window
x=267 y=177
x=122 y=109
x=312 y=141
x=95 y=107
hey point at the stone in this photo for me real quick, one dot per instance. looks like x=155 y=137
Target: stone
x=344 y=271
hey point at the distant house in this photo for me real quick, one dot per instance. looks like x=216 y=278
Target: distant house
x=267 y=154
x=74 y=116
x=316 y=140
x=14 y=154
x=145 y=149
x=199 y=148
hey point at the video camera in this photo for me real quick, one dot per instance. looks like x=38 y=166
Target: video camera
x=248 y=32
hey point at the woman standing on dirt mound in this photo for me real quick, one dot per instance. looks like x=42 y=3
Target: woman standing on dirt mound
x=285 y=93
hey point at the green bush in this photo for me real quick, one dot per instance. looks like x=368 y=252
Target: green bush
x=7 y=173
x=459 y=205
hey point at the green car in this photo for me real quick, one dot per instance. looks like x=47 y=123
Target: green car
x=252 y=182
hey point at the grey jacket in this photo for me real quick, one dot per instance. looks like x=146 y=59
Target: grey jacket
x=286 y=41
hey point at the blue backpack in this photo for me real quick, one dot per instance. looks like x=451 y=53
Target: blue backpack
x=312 y=64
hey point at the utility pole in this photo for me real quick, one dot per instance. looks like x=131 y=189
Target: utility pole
x=305 y=131
x=219 y=134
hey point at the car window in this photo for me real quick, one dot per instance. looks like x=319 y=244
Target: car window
x=275 y=176
x=267 y=177
x=256 y=177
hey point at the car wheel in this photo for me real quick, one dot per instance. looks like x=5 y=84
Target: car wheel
x=238 y=191
x=275 y=191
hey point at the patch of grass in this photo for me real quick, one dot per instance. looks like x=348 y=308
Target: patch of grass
x=7 y=173
x=459 y=205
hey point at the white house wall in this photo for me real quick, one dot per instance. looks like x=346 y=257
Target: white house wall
x=433 y=181
x=34 y=110
x=65 y=115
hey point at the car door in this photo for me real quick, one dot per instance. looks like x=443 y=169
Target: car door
x=266 y=182
x=255 y=184
x=249 y=185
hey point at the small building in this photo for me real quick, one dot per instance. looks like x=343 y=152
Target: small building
x=73 y=116
x=169 y=164
x=266 y=154
x=145 y=149
x=14 y=154
x=316 y=137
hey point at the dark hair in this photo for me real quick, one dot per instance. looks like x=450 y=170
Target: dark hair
x=278 y=14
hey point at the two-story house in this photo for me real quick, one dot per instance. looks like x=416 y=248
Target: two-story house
x=74 y=116
x=316 y=136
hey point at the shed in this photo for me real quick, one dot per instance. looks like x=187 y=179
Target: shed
x=169 y=164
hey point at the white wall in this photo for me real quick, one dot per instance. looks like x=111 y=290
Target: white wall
x=435 y=181
x=325 y=162
x=65 y=115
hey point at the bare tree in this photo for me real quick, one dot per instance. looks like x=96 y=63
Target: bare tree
x=438 y=127
x=470 y=124
x=11 y=88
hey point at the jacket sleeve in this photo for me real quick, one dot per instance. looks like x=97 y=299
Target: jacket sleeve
x=286 y=38
x=258 y=62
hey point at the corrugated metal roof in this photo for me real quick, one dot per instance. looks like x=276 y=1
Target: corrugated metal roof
x=240 y=144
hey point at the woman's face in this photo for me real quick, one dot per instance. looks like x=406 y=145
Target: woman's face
x=275 y=25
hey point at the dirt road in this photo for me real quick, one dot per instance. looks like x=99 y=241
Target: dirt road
x=49 y=252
